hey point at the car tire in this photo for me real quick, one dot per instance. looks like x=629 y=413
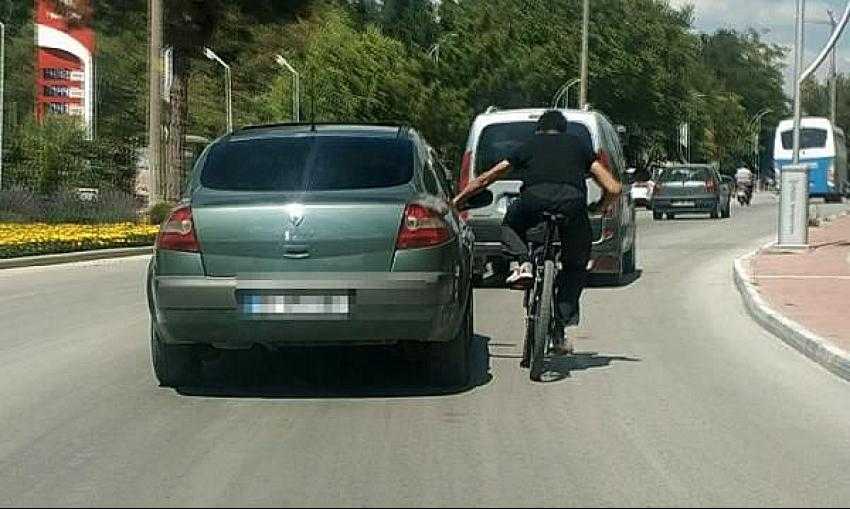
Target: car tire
x=727 y=212
x=658 y=216
x=671 y=216
x=448 y=363
x=174 y=365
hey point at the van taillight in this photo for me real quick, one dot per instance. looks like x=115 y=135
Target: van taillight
x=465 y=175
x=178 y=232
x=421 y=227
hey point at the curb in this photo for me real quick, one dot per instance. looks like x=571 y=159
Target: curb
x=76 y=256
x=813 y=346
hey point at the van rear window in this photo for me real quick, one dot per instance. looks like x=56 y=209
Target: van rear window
x=809 y=138
x=308 y=164
x=500 y=141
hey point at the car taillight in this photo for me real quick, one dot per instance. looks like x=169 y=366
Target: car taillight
x=421 y=227
x=830 y=176
x=710 y=186
x=178 y=232
x=465 y=174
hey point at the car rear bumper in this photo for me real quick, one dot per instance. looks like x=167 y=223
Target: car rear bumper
x=382 y=308
x=698 y=205
x=606 y=256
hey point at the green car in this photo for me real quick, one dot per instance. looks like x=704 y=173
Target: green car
x=313 y=235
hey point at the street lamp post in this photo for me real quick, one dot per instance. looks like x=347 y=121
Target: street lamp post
x=833 y=75
x=564 y=92
x=585 y=31
x=833 y=90
x=756 y=123
x=296 y=87
x=229 y=89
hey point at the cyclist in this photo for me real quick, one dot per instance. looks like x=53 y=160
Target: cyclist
x=553 y=167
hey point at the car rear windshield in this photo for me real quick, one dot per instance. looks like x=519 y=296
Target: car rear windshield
x=500 y=141
x=809 y=138
x=685 y=175
x=308 y=163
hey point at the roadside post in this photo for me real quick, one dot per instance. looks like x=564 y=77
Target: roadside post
x=793 y=207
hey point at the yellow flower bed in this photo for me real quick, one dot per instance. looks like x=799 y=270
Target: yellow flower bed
x=27 y=239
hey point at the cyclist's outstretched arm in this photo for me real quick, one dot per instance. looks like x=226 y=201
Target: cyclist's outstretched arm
x=611 y=187
x=481 y=182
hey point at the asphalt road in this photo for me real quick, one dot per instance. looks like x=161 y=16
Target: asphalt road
x=676 y=398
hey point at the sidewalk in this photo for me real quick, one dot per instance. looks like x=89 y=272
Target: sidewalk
x=804 y=297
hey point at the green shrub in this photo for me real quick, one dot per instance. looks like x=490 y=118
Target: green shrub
x=19 y=204
x=159 y=212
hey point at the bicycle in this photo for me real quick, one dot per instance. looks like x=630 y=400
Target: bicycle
x=538 y=302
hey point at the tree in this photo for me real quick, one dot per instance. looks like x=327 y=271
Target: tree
x=413 y=22
x=189 y=25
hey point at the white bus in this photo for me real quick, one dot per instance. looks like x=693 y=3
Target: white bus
x=823 y=147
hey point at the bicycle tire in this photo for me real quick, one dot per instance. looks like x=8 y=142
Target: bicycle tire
x=542 y=321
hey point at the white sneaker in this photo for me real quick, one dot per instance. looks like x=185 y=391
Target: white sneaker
x=520 y=274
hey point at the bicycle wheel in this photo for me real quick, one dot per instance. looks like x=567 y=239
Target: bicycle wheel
x=529 y=328
x=542 y=320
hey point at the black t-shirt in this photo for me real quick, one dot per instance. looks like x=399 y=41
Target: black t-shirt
x=554 y=159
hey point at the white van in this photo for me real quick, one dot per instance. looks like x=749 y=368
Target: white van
x=495 y=135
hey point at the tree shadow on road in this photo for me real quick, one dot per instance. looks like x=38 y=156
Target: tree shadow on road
x=560 y=368
x=330 y=372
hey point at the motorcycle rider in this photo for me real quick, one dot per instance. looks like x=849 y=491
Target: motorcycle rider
x=744 y=180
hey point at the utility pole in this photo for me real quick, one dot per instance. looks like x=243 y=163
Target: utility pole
x=2 y=93
x=585 y=29
x=155 y=99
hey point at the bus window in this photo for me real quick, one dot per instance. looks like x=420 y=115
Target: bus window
x=809 y=138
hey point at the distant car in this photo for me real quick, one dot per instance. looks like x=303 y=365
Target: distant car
x=641 y=192
x=690 y=189
x=314 y=235
x=494 y=135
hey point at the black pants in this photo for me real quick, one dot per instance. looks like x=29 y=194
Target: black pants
x=576 y=239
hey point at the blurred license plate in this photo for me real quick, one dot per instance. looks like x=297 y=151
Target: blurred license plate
x=683 y=204
x=295 y=304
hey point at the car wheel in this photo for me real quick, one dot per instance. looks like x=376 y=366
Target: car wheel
x=727 y=211
x=716 y=213
x=658 y=216
x=448 y=363
x=174 y=365
x=671 y=216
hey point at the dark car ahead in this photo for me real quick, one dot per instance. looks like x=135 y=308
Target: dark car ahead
x=690 y=189
x=313 y=235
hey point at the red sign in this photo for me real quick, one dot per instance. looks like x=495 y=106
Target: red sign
x=65 y=59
